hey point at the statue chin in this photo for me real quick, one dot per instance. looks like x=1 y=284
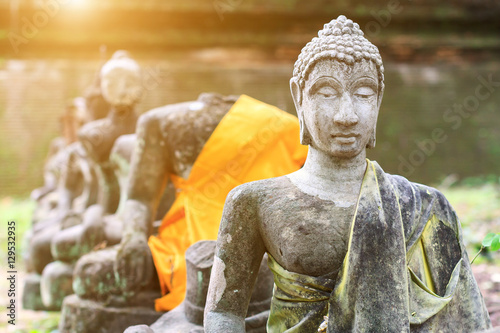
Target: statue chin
x=343 y=151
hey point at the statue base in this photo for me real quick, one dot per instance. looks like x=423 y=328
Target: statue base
x=86 y=316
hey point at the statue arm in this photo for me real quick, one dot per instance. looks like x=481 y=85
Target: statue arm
x=147 y=179
x=240 y=249
x=148 y=176
x=70 y=177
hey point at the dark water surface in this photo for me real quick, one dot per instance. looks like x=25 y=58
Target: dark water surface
x=435 y=120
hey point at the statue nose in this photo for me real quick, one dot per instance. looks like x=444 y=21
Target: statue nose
x=346 y=114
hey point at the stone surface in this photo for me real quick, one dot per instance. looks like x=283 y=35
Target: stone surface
x=32 y=298
x=74 y=233
x=56 y=283
x=85 y=316
x=139 y=329
x=70 y=182
x=188 y=317
x=94 y=279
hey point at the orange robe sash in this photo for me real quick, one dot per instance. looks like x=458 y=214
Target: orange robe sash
x=253 y=141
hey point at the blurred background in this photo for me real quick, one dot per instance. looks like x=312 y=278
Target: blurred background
x=439 y=122
x=436 y=55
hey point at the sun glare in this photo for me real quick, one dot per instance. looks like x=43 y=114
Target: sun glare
x=77 y=3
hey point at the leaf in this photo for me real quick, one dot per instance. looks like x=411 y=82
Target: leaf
x=495 y=243
x=488 y=239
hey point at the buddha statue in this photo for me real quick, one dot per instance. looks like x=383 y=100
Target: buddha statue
x=352 y=248
x=70 y=187
x=120 y=81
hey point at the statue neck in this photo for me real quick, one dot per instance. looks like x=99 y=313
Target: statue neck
x=331 y=178
x=335 y=169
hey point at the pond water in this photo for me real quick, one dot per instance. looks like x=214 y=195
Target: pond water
x=435 y=120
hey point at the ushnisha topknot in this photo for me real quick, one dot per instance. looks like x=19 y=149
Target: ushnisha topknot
x=343 y=40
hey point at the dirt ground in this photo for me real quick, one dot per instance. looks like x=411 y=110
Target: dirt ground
x=488 y=279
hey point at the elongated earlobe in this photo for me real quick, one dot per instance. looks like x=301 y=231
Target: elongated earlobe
x=305 y=137
x=373 y=139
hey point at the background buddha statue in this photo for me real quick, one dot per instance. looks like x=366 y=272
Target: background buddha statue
x=70 y=187
x=120 y=81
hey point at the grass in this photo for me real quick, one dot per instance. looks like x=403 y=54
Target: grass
x=20 y=211
x=478 y=208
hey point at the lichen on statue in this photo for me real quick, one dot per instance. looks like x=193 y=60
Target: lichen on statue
x=370 y=251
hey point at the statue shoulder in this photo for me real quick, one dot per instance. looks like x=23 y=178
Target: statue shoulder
x=94 y=130
x=421 y=202
x=253 y=194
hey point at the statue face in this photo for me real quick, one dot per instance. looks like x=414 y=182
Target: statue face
x=339 y=106
x=121 y=87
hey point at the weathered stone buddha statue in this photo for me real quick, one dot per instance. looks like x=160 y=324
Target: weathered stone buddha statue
x=371 y=251
x=70 y=187
x=120 y=80
x=70 y=182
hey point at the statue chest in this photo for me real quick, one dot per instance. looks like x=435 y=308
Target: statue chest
x=307 y=235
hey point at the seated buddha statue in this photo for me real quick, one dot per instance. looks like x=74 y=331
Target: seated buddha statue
x=352 y=248
x=120 y=81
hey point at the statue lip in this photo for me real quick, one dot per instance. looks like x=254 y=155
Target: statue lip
x=345 y=138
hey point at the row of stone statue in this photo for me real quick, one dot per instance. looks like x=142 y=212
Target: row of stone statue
x=94 y=203
x=350 y=247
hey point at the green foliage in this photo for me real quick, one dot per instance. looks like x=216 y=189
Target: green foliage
x=480 y=180
x=478 y=208
x=491 y=241
x=20 y=211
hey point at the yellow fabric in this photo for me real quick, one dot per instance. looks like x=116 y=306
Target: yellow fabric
x=253 y=141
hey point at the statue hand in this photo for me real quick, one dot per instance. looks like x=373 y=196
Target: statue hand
x=134 y=263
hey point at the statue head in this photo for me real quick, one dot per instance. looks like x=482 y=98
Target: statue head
x=121 y=83
x=337 y=87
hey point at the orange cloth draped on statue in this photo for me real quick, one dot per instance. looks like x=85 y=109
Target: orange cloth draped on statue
x=253 y=141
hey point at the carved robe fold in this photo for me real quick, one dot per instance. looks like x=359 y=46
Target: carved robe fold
x=253 y=141
x=406 y=269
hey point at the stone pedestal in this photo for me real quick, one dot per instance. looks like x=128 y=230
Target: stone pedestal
x=85 y=316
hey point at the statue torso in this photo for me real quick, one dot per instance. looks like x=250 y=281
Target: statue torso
x=304 y=233
x=186 y=128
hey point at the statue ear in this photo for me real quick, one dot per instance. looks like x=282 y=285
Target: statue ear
x=373 y=138
x=296 y=93
x=380 y=96
x=305 y=137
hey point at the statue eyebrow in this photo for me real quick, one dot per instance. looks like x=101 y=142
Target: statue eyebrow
x=365 y=79
x=321 y=81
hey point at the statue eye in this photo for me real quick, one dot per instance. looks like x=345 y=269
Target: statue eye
x=327 y=92
x=364 y=92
